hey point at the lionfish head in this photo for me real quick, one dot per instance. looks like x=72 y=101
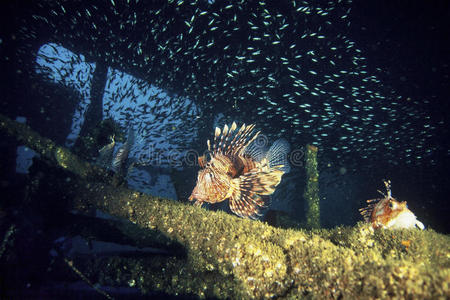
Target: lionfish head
x=208 y=186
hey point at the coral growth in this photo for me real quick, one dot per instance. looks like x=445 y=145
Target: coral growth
x=228 y=257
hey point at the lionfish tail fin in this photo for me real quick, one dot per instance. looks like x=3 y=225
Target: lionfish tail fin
x=277 y=156
x=251 y=192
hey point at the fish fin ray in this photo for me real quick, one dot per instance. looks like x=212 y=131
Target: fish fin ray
x=366 y=212
x=277 y=155
x=231 y=142
x=257 y=150
x=244 y=202
x=251 y=192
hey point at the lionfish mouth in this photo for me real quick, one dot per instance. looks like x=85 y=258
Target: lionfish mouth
x=200 y=198
x=195 y=196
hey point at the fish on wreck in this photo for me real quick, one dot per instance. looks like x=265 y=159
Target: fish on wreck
x=240 y=168
x=389 y=213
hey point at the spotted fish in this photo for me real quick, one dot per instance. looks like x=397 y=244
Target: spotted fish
x=387 y=212
x=238 y=167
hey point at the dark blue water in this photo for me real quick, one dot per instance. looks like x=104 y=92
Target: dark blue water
x=367 y=83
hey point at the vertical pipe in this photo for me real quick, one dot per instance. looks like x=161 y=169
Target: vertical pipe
x=311 y=194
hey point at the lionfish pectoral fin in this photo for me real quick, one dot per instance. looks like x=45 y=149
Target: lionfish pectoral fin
x=263 y=183
x=198 y=203
x=251 y=192
x=244 y=202
x=366 y=212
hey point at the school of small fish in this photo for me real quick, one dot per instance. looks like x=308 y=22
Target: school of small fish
x=286 y=65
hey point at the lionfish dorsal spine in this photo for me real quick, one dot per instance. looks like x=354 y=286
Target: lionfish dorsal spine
x=216 y=136
x=234 y=140
x=381 y=193
x=247 y=139
x=373 y=200
x=242 y=139
x=233 y=126
x=228 y=150
x=242 y=150
x=387 y=183
x=366 y=212
x=229 y=135
x=223 y=138
x=227 y=143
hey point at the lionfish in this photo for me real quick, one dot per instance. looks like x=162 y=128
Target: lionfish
x=387 y=212
x=239 y=167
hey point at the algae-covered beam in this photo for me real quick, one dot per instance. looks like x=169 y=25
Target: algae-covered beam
x=229 y=257
x=48 y=150
x=311 y=194
x=216 y=243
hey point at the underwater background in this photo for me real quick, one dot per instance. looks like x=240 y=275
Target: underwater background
x=367 y=83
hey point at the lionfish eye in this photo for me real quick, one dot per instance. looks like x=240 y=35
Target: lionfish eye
x=391 y=205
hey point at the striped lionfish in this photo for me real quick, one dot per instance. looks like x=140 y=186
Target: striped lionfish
x=387 y=212
x=238 y=167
